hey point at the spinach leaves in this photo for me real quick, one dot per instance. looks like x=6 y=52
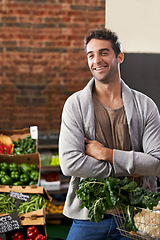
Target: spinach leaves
x=99 y=195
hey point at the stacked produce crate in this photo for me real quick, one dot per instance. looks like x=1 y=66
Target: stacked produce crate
x=22 y=200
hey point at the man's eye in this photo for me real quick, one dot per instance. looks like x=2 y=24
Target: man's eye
x=90 y=56
x=104 y=53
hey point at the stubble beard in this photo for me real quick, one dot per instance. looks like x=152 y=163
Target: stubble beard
x=105 y=80
x=108 y=77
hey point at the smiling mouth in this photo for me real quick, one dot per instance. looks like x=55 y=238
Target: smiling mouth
x=99 y=68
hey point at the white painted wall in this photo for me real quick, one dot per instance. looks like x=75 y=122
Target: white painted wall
x=137 y=23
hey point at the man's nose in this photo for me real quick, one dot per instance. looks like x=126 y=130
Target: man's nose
x=97 y=58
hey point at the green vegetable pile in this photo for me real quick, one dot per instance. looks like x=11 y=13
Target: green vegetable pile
x=8 y=204
x=99 y=195
x=12 y=174
x=24 y=146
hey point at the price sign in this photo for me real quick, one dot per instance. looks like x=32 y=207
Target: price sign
x=19 y=196
x=9 y=223
x=12 y=222
x=34 y=132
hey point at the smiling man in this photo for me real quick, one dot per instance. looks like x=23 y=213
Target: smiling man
x=107 y=130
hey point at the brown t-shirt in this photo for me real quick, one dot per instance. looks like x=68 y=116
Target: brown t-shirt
x=111 y=126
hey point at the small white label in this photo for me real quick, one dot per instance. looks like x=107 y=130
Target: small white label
x=34 y=132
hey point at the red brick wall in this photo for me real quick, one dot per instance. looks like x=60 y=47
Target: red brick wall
x=42 y=60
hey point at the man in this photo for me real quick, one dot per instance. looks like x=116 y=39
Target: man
x=107 y=130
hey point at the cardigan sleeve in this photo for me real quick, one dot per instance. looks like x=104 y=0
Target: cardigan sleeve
x=146 y=162
x=73 y=160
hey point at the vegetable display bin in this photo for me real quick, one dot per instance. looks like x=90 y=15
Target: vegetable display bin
x=31 y=218
x=146 y=221
x=25 y=140
x=23 y=232
x=33 y=158
x=26 y=216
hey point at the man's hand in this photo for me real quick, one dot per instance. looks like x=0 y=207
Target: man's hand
x=96 y=150
x=135 y=175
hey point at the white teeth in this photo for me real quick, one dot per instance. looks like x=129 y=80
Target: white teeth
x=99 y=68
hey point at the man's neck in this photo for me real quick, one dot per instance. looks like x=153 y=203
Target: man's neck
x=109 y=94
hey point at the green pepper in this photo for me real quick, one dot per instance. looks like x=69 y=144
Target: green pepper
x=32 y=183
x=34 y=167
x=6 y=180
x=34 y=175
x=24 y=178
x=18 y=183
x=15 y=175
x=25 y=168
x=4 y=167
x=13 y=167
x=2 y=173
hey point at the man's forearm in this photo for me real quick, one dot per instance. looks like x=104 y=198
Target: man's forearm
x=98 y=151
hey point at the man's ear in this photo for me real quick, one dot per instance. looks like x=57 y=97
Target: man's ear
x=120 y=57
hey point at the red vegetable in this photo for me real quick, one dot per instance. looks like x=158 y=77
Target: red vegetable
x=40 y=237
x=6 y=144
x=17 y=236
x=4 y=149
x=32 y=232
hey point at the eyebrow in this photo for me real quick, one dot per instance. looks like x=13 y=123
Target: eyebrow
x=100 y=50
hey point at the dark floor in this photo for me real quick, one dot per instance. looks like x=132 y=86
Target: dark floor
x=58 y=231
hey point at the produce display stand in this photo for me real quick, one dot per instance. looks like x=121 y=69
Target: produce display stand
x=10 y=223
x=22 y=133
x=32 y=158
x=148 y=221
x=21 y=147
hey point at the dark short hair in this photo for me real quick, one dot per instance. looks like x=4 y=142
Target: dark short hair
x=104 y=34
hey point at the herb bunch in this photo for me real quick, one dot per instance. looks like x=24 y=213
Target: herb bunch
x=99 y=195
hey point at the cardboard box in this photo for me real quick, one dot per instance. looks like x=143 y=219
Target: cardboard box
x=34 y=218
x=22 y=133
x=25 y=158
x=26 y=189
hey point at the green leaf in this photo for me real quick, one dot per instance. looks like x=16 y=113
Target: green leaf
x=97 y=210
x=99 y=195
x=129 y=221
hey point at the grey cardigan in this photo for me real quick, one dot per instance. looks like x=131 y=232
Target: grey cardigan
x=78 y=121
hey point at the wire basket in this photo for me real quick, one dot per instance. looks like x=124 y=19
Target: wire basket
x=146 y=221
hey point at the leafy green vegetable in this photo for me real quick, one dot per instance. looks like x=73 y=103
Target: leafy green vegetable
x=99 y=195
x=24 y=146
x=129 y=221
x=8 y=204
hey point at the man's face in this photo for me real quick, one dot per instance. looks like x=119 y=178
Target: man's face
x=102 y=60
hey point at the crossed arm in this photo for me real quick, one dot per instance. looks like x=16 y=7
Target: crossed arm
x=95 y=149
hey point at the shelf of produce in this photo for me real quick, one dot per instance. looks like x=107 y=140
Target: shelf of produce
x=54 y=216
x=50 y=169
x=59 y=191
x=54 y=210
x=49 y=146
x=57 y=194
